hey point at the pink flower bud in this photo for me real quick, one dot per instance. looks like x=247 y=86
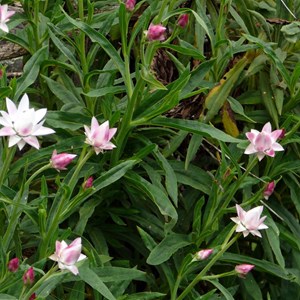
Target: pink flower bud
x=243 y=270
x=269 y=190
x=156 y=32
x=13 y=265
x=88 y=183
x=183 y=20
x=60 y=161
x=28 y=276
x=32 y=297
x=130 y=5
x=204 y=254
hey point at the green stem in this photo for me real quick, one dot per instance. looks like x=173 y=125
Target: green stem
x=161 y=11
x=36 y=23
x=226 y=274
x=38 y=283
x=7 y=157
x=39 y=171
x=226 y=244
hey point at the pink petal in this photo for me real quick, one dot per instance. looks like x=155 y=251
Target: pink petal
x=277 y=147
x=32 y=141
x=108 y=146
x=7 y=131
x=94 y=124
x=250 y=149
x=270 y=152
x=241 y=213
x=70 y=255
x=253 y=215
x=76 y=242
x=276 y=134
x=267 y=128
x=112 y=132
x=5 y=120
x=251 y=136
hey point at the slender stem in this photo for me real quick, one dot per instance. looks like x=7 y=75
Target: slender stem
x=226 y=274
x=200 y=276
x=161 y=11
x=36 y=23
x=9 y=154
x=38 y=283
x=39 y=171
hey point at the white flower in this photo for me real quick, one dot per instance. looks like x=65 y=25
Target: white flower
x=249 y=221
x=4 y=17
x=23 y=124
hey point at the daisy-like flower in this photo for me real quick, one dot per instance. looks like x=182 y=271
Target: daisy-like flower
x=99 y=136
x=23 y=124
x=249 y=221
x=5 y=17
x=264 y=142
x=67 y=255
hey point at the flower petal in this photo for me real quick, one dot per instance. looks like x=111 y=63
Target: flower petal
x=7 y=131
x=32 y=141
x=267 y=128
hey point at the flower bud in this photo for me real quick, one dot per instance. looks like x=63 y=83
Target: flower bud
x=156 y=32
x=60 y=161
x=243 y=270
x=130 y=5
x=32 y=297
x=203 y=254
x=28 y=276
x=282 y=135
x=183 y=20
x=88 y=183
x=269 y=190
x=13 y=265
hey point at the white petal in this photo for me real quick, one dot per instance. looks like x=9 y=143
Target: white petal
x=4 y=27
x=24 y=104
x=260 y=155
x=72 y=269
x=267 y=128
x=42 y=131
x=7 y=131
x=32 y=141
x=250 y=149
x=13 y=140
x=11 y=107
x=39 y=115
x=277 y=147
x=21 y=144
x=54 y=257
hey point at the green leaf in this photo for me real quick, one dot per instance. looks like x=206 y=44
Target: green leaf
x=106 y=90
x=167 y=247
x=62 y=93
x=193 y=147
x=145 y=296
x=91 y=278
x=99 y=38
x=7 y=297
x=31 y=71
x=221 y=288
x=195 y=127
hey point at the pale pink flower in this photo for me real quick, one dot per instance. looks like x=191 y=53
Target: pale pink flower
x=13 y=265
x=60 y=161
x=5 y=17
x=99 y=136
x=183 y=20
x=23 y=124
x=67 y=255
x=269 y=189
x=156 y=32
x=28 y=277
x=204 y=254
x=243 y=269
x=130 y=4
x=264 y=142
x=249 y=221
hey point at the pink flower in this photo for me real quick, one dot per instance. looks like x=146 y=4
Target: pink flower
x=13 y=265
x=60 y=161
x=249 y=221
x=130 y=4
x=243 y=270
x=23 y=124
x=99 y=136
x=5 y=17
x=28 y=277
x=269 y=190
x=264 y=142
x=156 y=32
x=204 y=254
x=67 y=255
x=183 y=20
x=88 y=183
